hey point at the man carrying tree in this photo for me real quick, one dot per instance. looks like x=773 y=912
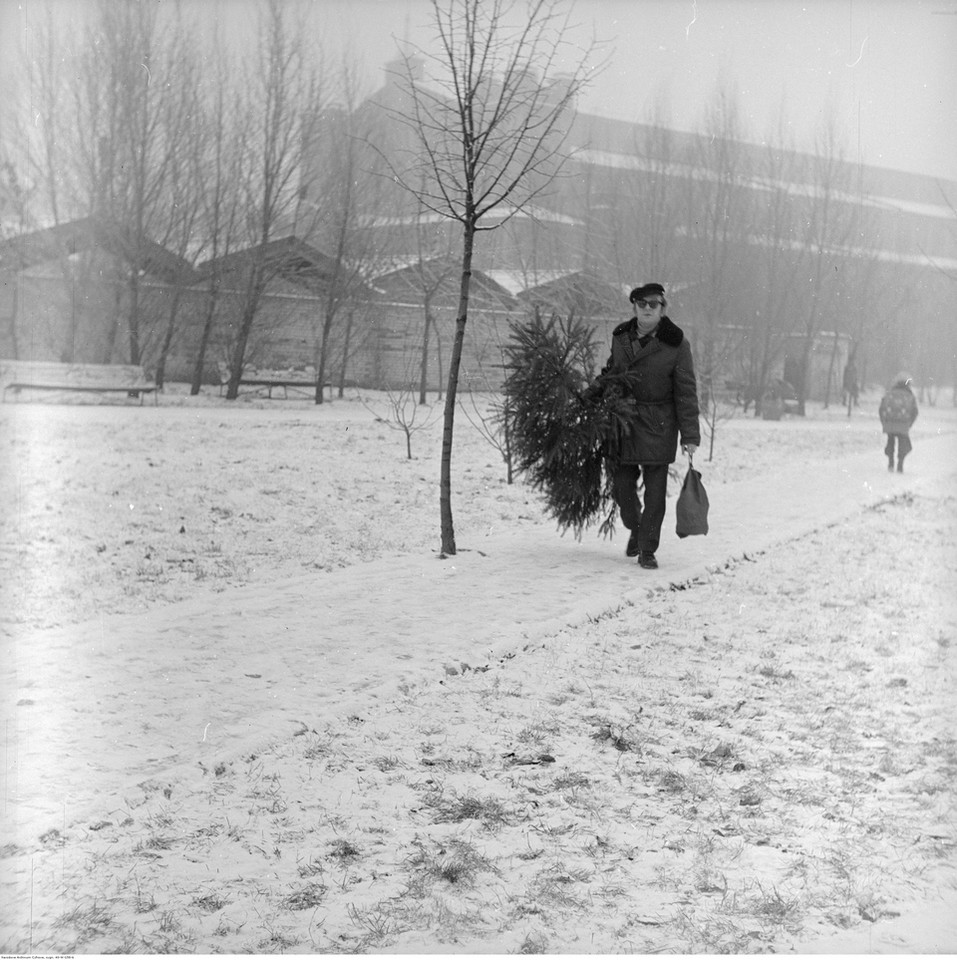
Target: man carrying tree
x=653 y=357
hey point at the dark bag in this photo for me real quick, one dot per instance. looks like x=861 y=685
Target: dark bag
x=895 y=407
x=692 y=508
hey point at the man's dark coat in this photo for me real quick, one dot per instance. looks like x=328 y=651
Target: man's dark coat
x=661 y=383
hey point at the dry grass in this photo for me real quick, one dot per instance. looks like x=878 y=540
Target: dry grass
x=786 y=801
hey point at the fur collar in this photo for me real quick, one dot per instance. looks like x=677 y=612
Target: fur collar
x=667 y=332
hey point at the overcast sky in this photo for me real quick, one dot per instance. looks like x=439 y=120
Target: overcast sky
x=885 y=69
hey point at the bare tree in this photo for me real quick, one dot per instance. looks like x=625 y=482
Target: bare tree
x=404 y=413
x=135 y=71
x=493 y=418
x=284 y=100
x=433 y=268
x=774 y=224
x=15 y=220
x=109 y=85
x=942 y=340
x=488 y=131
x=715 y=408
x=642 y=207
x=215 y=162
x=181 y=195
x=47 y=142
x=718 y=224
x=48 y=125
x=338 y=187
x=826 y=230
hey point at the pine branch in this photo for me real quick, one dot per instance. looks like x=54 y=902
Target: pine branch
x=566 y=431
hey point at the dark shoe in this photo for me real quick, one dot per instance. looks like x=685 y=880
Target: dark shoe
x=632 y=549
x=900 y=468
x=647 y=560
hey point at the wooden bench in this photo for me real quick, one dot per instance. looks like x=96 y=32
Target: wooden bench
x=18 y=375
x=744 y=395
x=268 y=379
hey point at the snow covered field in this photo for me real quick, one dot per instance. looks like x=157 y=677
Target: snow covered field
x=120 y=507
x=248 y=709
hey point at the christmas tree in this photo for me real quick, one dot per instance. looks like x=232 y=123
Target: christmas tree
x=565 y=423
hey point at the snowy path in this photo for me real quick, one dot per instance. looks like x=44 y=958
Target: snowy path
x=93 y=709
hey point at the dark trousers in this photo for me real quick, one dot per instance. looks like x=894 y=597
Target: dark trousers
x=647 y=520
x=904 y=446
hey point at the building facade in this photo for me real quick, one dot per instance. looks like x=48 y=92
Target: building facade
x=772 y=259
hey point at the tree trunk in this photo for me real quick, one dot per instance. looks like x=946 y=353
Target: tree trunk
x=254 y=292
x=424 y=362
x=438 y=362
x=114 y=328
x=507 y=442
x=830 y=370
x=203 y=345
x=346 y=340
x=712 y=421
x=333 y=303
x=802 y=387
x=168 y=338
x=133 y=322
x=14 y=343
x=445 y=482
x=322 y=360
x=239 y=350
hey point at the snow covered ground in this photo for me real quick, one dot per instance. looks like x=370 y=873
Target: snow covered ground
x=248 y=708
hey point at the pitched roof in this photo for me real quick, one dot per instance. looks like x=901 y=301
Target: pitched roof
x=289 y=257
x=66 y=239
x=577 y=292
x=443 y=275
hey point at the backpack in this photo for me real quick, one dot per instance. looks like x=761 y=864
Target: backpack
x=896 y=406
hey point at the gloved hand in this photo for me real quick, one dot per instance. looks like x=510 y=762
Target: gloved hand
x=689 y=448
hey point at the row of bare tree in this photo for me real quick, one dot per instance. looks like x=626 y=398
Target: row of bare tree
x=137 y=123
x=138 y=126
x=771 y=244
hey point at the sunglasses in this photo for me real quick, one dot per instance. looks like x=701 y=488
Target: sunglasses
x=641 y=304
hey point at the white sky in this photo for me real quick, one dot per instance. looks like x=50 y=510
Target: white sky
x=885 y=69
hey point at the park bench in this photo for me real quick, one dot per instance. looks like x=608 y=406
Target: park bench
x=267 y=380
x=18 y=375
x=779 y=397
